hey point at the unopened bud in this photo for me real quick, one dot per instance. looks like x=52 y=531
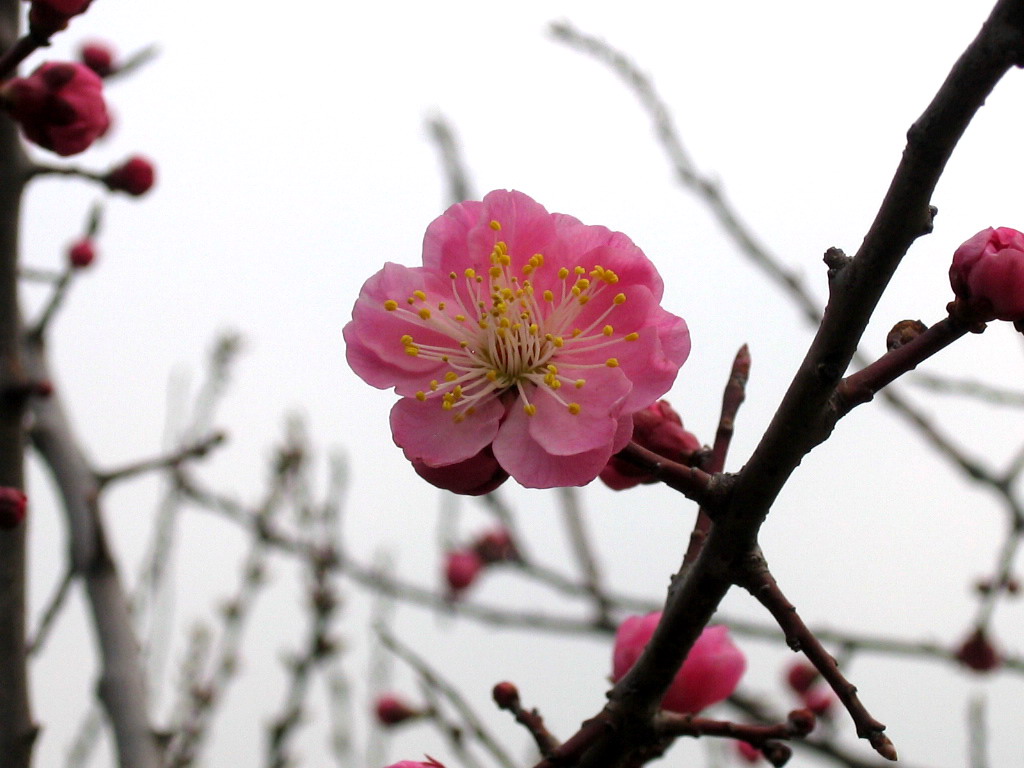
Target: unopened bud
x=506 y=695
x=462 y=566
x=496 y=547
x=800 y=676
x=392 y=710
x=978 y=653
x=99 y=57
x=135 y=176
x=903 y=332
x=748 y=752
x=13 y=504
x=820 y=700
x=801 y=722
x=82 y=253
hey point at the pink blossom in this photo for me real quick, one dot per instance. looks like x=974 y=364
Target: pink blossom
x=525 y=331
x=59 y=106
x=710 y=673
x=820 y=699
x=660 y=429
x=988 y=274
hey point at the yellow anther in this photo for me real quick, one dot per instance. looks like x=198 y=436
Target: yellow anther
x=611 y=362
x=459 y=417
x=412 y=351
x=479 y=278
x=574 y=408
x=579 y=270
x=421 y=396
x=492 y=375
x=484 y=325
x=501 y=246
x=453 y=276
x=410 y=300
x=552 y=368
x=457 y=392
x=558 y=341
x=434 y=385
x=632 y=336
x=607 y=330
x=580 y=383
x=406 y=339
x=620 y=298
x=446 y=405
x=530 y=409
x=495 y=226
x=463 y=344
x=460 y=318
x=420 y=295
x=451 y=376
x=576 y=290
x=563 y=273
x=507 y=294
x=504 y=259
x=470 y=273
x=390 y=305
x=534 y=329
x=502 y=333
x=440 y=305
x=444 y=358
x=549 y=296
x=537 y=259
x=576 y=332
x=504 y=323
x=583 y=283
x=527 y=269
x=470 y=411
x=583 y=300
x=495 y=271
x=597 y=271
x=424 y=314
x=610 y=277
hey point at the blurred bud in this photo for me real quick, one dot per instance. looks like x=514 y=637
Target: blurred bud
x=800 y=676
x=987 y=276
x=99 y=57
x=60 y=106
x=496 y=546
x=13 y=503
x=506 y=695
x=711 y=671
x=135 y=176
x=461 y=569
x=904 y=331
x=48 y=16
x=801 y=721
x=748 y=752
x=820 y=700
x=660 y=429
x=978 y=653
x=392 y=710
x=82 y=253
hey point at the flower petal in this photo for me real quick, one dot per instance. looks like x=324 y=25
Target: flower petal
x=429 y=434
x=563 y=433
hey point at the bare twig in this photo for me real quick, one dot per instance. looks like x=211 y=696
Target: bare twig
x=585 y=557
x=441 y=132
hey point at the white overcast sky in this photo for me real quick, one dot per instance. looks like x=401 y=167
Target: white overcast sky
x=293 y=161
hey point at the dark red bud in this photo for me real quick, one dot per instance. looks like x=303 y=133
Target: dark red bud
x=13 y=504
x=506 y=695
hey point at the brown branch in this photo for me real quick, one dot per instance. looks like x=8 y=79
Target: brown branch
x=506 y=696
x=762 y=585
x=692 y=482
x=733 y=397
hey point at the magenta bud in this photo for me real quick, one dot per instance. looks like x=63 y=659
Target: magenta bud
x=506 y=695
x=461 y=569
x=392 y=710
x=978 y=653
x=13 y=504
x=82 y=253
x=987 y=276
x=800 y=676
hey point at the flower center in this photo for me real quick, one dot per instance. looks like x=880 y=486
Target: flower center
x=505 y=338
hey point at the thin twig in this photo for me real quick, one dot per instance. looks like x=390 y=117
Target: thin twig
x=53 y=608
x=585 y=557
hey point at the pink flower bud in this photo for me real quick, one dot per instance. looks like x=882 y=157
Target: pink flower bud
x=82 y=253
x=48 y=16
x=988 y=275
x=99 y=57
x=978 y=653
x=495 y=546
x=710 y=673
x=820 y=699
x=59 y=106
x=461 y=569
x=748 y=752
x=391 y=710
x=136 y=176
x=660 y=429
x=801 y=676
x=13 y=503
x=475 y=476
